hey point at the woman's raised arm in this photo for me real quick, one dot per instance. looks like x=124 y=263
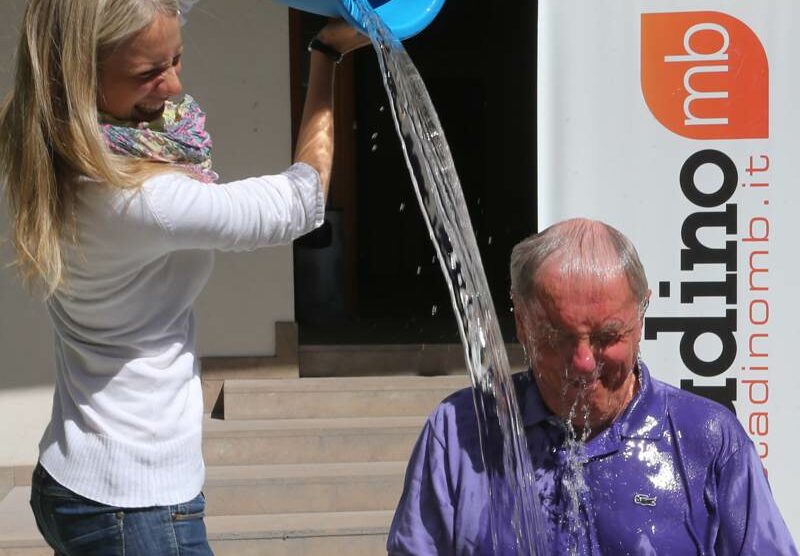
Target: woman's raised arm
x=315 y=137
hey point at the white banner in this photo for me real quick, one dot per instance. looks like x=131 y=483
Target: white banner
x=677 y=122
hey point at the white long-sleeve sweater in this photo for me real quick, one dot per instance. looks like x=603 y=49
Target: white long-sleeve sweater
x=127 y=411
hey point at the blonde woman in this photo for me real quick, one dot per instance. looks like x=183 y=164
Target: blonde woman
x=115 y=214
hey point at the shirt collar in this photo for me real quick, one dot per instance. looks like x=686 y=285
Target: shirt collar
x=645 y=416
x=532 y=406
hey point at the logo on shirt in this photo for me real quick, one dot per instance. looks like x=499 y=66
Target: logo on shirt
x=644 y=500
x=705 y=75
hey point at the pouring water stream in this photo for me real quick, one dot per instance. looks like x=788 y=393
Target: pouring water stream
x=514 y=503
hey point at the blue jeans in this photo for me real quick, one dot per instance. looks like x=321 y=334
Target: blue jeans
x=76 y=526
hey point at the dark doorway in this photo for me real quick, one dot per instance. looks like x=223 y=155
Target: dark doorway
x=370 y=275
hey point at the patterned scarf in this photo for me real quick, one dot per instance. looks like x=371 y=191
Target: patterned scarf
x=179 y=137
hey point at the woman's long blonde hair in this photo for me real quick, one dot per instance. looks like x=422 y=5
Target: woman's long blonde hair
x=49 y=132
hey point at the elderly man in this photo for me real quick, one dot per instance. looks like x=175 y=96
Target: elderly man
x=659 y=470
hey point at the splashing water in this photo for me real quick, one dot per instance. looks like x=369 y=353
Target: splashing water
x=574 y=482
x=515 y=516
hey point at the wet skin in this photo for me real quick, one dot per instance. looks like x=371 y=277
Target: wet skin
x=583 y=334
x=139 y=75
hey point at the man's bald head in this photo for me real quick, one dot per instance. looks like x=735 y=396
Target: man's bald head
x=582 y=248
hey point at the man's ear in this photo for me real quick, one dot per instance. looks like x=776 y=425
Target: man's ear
x=644 y=306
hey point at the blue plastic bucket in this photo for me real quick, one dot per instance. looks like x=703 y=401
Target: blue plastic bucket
x=405 y=18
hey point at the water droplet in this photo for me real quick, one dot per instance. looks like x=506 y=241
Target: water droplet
x=381 y=109
x=490 y=240
x=402 y=207
x=419 y=270
x=434 y=309
x=374 y=136
x=374 y=148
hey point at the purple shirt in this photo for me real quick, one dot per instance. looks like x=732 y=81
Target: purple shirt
x=676 y=474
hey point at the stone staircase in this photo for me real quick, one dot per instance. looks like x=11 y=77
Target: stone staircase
x=296 y=466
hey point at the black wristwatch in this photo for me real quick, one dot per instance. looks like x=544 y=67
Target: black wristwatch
x=328 y=51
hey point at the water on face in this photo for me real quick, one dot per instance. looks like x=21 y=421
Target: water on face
x=513 y=501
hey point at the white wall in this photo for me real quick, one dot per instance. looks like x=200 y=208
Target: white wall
x=236 y=64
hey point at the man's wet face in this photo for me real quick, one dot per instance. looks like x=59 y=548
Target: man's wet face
x=583 y=336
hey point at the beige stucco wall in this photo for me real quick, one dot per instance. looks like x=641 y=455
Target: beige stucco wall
x=237 y=65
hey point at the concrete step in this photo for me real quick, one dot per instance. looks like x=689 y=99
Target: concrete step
x=301 y=534
x=304 y=534
x=329 y=440
x=329 y=487
x=18 y=533
x=308 y=398
x=391 y=360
